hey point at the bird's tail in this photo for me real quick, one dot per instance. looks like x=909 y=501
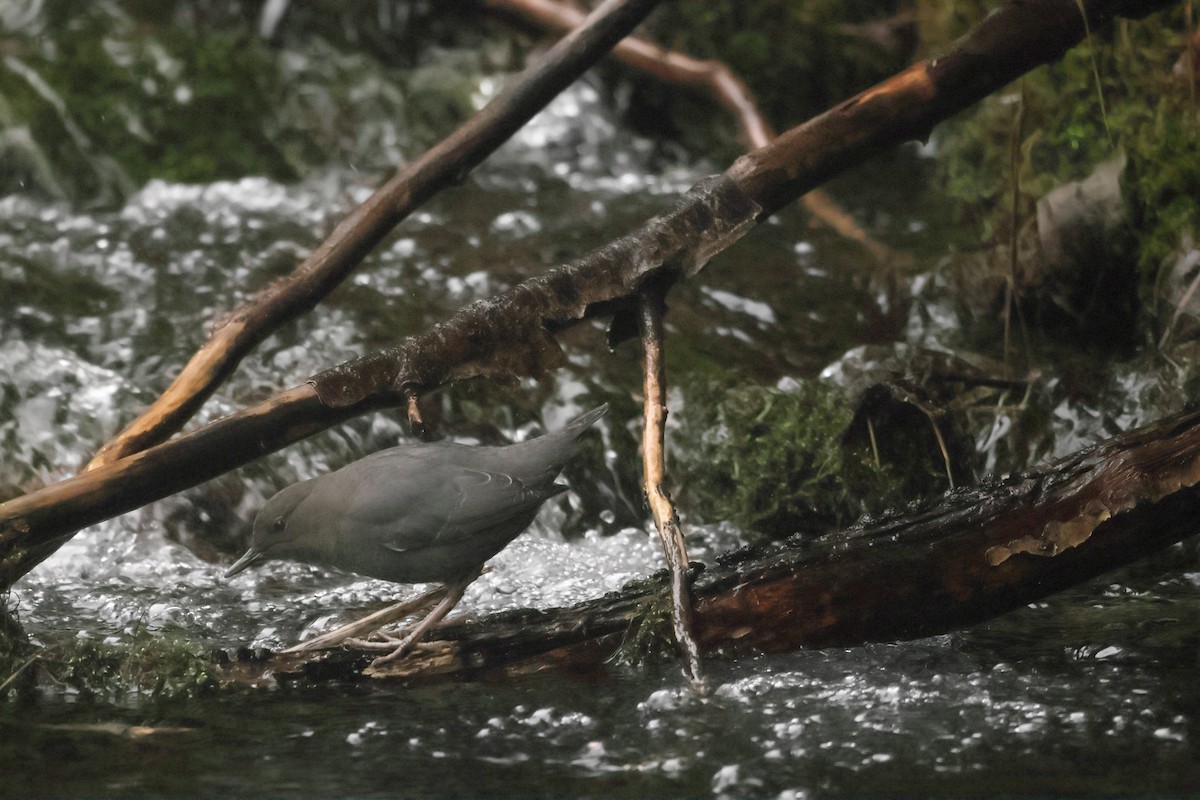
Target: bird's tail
x=540 y=459
x=577 y=426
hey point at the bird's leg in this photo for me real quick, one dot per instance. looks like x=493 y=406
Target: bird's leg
x=369 y=623
x=454 y=593
x=386 y=640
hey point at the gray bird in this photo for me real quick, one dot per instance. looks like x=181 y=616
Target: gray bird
x=416 y=514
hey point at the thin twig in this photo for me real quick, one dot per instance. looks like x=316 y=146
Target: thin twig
x=666 y=521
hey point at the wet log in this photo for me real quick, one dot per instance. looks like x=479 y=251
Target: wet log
x=967 y=556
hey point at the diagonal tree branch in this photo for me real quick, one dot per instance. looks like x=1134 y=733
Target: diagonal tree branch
x=722 y=84
x=513 y=333
x=443 y=165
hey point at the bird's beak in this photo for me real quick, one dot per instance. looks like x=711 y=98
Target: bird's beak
x=248 y=559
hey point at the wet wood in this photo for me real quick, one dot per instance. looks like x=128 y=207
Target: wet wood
x=651 y=309
x=513 y=334
x=963 y=558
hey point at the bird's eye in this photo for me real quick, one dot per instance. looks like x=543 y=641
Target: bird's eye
x=280 y=523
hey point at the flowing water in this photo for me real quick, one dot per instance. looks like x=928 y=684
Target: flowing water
x=1091 y=692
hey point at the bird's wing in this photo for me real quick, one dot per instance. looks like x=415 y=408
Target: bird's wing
x=488 y=498
x=422 y=502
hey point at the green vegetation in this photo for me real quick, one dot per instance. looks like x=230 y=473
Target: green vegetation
x=16 y=653
x=779 y=461
x=158 y=665
x=1067 y=130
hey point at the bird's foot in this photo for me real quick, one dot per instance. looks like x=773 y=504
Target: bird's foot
x=379 y=641
x=404 y=648
x=396 y=644
x=409 y=637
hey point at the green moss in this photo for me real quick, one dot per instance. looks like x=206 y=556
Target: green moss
x=1067 y=130
x=160 y=666
x=785 y=461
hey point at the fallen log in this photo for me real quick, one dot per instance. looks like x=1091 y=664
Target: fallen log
x=956 y=560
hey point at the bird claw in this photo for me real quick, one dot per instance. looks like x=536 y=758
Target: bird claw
x=410 y=637
x=395 y=655
x=369 y=644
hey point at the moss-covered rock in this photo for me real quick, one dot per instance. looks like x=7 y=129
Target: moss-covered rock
x=780 y=461
x=161 y=666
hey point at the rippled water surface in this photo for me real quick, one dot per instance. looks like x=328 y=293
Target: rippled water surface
x=1092 y=692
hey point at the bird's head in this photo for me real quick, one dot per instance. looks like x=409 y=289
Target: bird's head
x=273 y=534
